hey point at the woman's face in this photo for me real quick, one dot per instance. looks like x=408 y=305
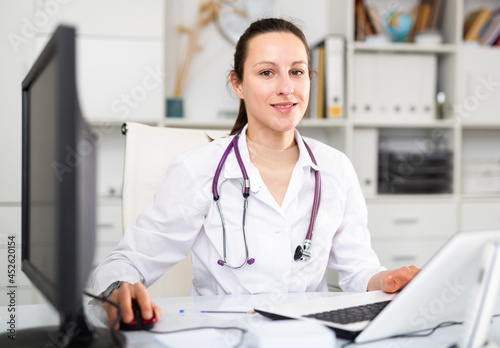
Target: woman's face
x=275 y=83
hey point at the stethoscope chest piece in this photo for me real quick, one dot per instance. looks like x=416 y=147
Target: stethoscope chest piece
x=303 y=253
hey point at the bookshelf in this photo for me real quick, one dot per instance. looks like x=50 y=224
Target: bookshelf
x=472 y=128
x=408 y=228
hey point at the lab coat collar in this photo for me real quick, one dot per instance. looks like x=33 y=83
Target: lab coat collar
x=232 y=169
x=304 y=158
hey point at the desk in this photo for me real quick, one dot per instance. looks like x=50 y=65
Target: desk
x=38 y=315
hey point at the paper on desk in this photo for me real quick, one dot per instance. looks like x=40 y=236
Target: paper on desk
x=207 y=338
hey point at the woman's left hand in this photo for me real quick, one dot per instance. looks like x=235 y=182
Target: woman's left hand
x=392 y=281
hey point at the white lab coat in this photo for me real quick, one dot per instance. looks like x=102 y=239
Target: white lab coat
x=184 y=216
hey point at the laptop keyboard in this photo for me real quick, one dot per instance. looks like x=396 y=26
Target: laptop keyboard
x=351 y=314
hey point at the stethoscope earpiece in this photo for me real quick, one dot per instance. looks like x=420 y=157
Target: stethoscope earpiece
x=249 y=261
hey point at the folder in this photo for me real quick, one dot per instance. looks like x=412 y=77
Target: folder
x=328 y=88
x=317 y=98
x=334 y=76
x=394 y=87
x=365 y=159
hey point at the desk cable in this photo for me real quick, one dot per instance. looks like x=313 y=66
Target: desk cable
x=112 y=332
x=118 y=343
x=415 y=334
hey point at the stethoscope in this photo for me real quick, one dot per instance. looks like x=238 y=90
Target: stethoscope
x=302 y=253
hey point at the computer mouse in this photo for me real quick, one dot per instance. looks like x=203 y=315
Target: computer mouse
x=138 y=323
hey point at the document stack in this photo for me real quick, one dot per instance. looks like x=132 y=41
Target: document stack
x=403 y=172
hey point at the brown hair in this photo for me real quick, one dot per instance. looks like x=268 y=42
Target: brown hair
x=262 y=26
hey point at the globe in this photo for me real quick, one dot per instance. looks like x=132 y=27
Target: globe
x=400 y=26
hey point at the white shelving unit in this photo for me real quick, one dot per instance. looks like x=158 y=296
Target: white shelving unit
x=409 y=228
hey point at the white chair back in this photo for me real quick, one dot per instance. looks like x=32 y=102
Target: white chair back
x=148 y=152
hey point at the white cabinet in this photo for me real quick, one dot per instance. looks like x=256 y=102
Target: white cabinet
x=411 y=219
x=481 y=214
x=120 y=80
x=411 y=231
x=120 y=70
x=394 y=253
x=480 y=92
x=109 y=227
x=112 y=18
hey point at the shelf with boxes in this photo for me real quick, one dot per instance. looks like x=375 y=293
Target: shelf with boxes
x=403 y=160
x=397 y=125
x=397 y=88
x=390 y=95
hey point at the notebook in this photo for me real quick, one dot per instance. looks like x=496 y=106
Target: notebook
x=441 y=292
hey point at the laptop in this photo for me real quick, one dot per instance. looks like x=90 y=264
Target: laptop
x=441 y=292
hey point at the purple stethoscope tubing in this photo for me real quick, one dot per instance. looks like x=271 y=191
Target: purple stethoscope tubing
x=301 y=253
x=317 y=196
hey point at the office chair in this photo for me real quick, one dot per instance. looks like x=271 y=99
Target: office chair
x=148 y=152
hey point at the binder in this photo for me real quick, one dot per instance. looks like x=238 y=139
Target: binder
x=394 y=87
x=317 y=98
x=313 y=97
x=365 y=159
x=327 y=98
x=321 y=83
x=334 y=76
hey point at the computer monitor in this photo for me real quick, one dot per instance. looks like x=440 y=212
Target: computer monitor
x=58 y=197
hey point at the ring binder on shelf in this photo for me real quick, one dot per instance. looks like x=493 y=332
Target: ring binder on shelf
x=328 y=91
x=394 y=87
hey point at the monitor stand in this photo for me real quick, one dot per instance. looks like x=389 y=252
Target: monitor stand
x=74 y=332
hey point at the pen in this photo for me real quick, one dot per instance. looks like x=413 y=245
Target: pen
x=182 y=311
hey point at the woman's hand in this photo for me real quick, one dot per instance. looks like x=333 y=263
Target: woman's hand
x=392 y=281
x=123 y=298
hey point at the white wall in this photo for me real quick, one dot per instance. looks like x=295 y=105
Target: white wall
x=16 y=56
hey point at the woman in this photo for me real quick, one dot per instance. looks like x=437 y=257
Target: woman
x=271 y=76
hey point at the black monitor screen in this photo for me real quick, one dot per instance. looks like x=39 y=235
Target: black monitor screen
x=58 y=198
x=43 y=200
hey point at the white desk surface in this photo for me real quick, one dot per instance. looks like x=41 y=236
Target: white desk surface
x=44 y=315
